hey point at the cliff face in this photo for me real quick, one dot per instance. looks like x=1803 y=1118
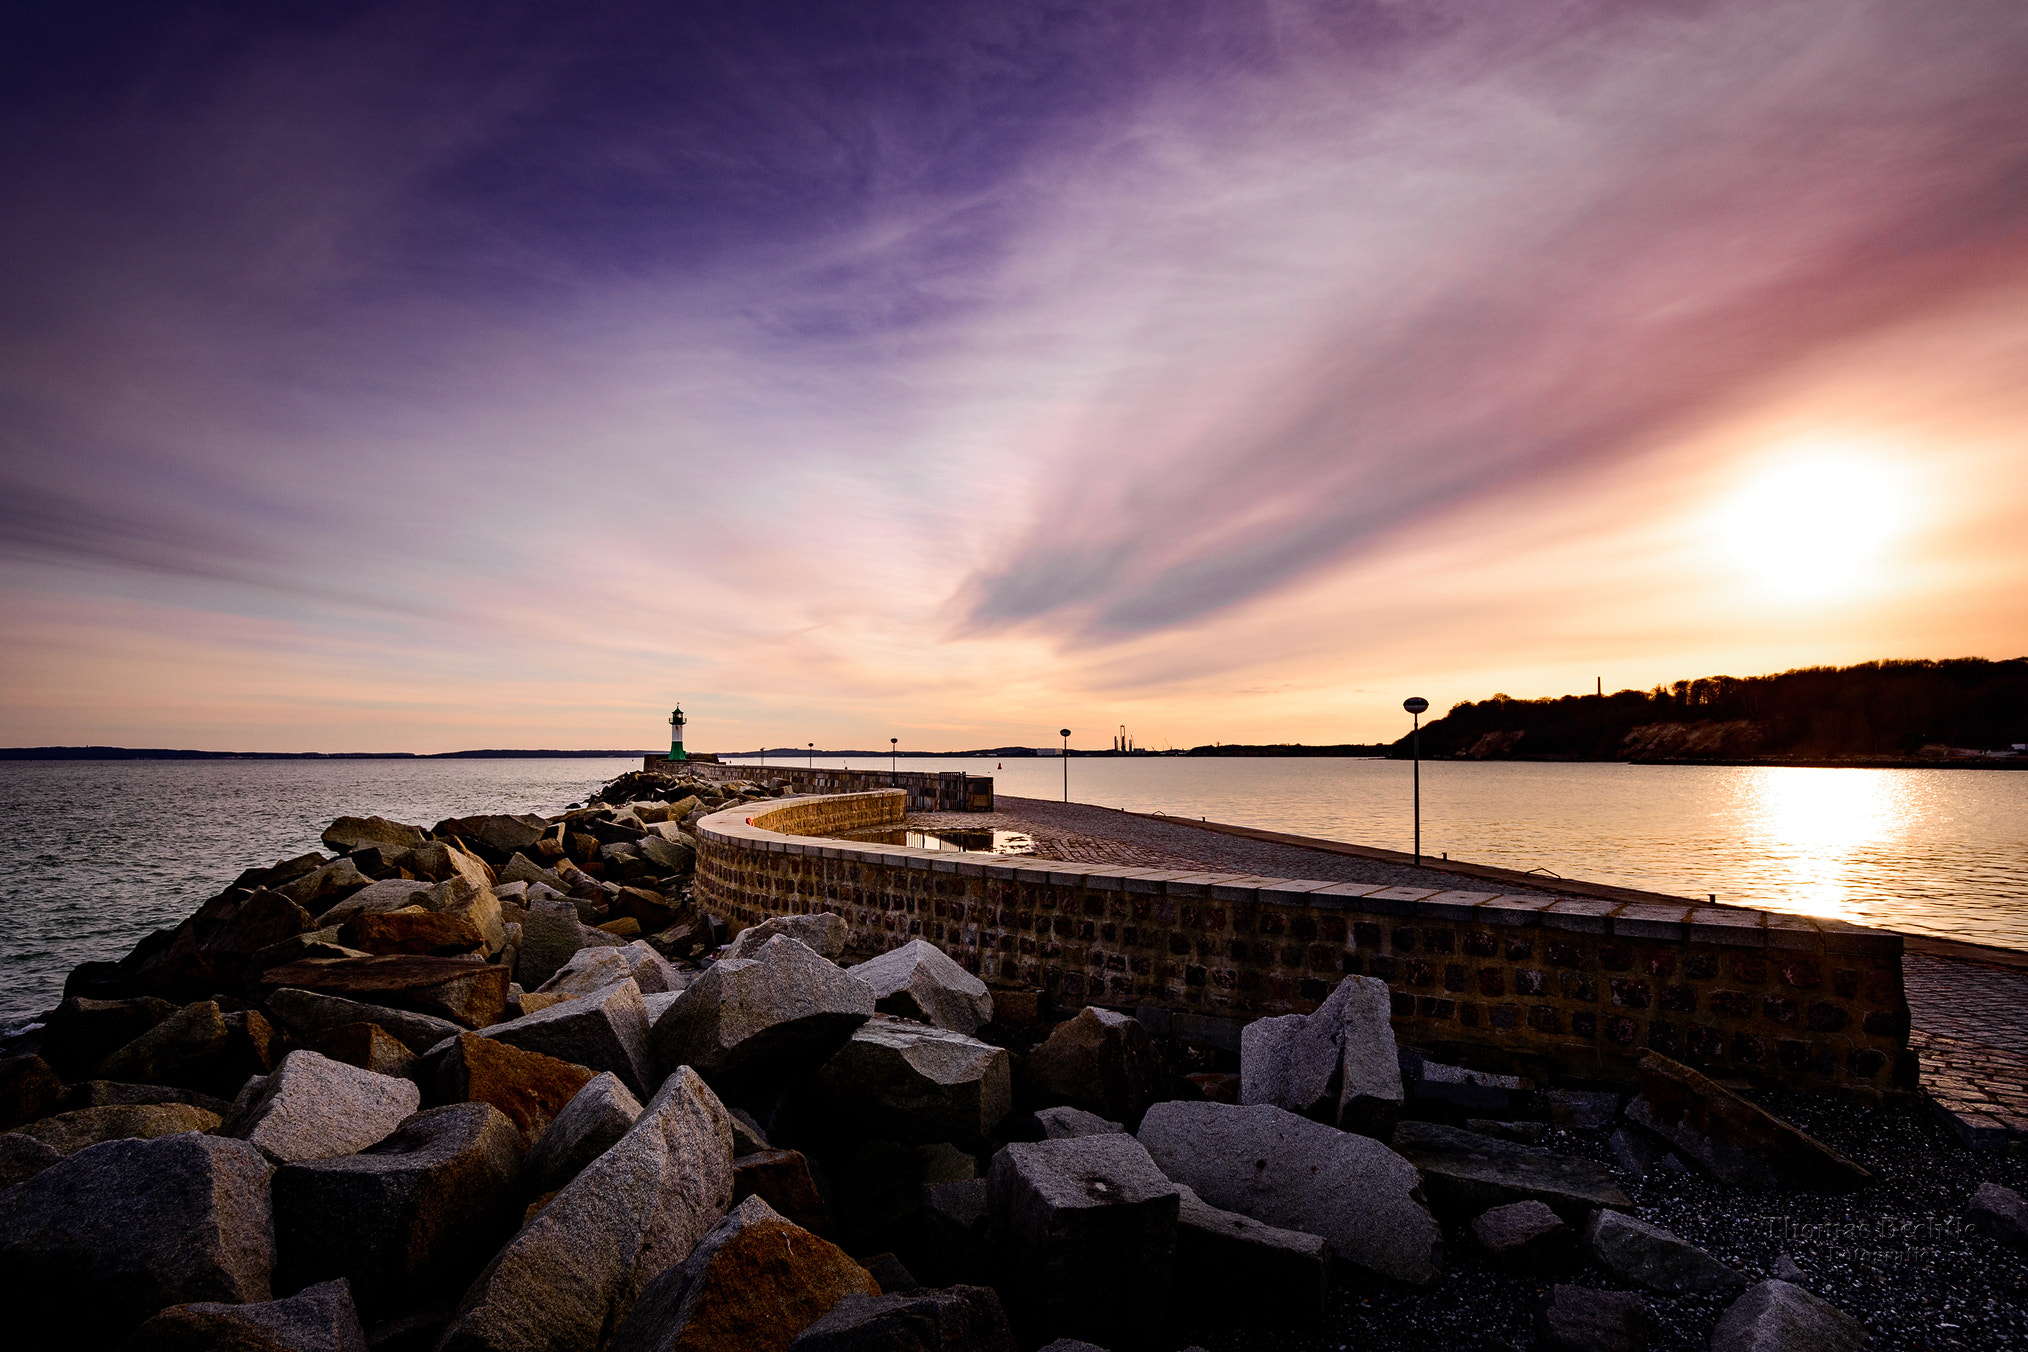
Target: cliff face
x=1733 y=740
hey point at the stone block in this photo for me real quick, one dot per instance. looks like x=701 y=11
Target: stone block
x=123 y=1229
x=68 y=1133
x=1651 y=1257
x=606 y=1029
x=1465 y=1173
x=595 y=1118
x=919 y=981
x=314 y=1108
x=319 y=1319
x=782 y=1179
x=1102 y=1062
x=1231 y=1268
x=574 y=1271
x=768 y=1018
x=752 y=1284
x=22 y=1158
x=406 y=1219
x=530 y=1088
x=910 y=1082
x=1525 y=1237
x=2000 y=1213
x=463 y=990
x=1086 y=1231
x=823 y=934
x=1773 y=1315
x=1731 y=1139
x=1296 y=1174
x=1579 y=1319
x=367 y=1046
x=29 y=1091
x=1061 y=1123
x=309 y=1014
x=1338 y=1065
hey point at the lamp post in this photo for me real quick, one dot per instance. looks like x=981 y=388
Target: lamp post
x=894 y=761
x=1417 y=706
x=811 y=764
x=1065 y=735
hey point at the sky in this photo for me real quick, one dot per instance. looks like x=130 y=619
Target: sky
x=397 y=377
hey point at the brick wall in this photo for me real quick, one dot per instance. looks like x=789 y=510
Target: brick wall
x=944 y=791
x=1538 y=985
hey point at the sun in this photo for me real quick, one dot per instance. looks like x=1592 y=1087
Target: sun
x=1816 y=526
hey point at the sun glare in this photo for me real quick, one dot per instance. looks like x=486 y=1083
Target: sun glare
x=1815 y=527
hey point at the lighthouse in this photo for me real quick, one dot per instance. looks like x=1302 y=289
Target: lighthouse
x=676 y=735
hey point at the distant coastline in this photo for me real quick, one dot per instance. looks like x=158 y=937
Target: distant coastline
x=122 y=753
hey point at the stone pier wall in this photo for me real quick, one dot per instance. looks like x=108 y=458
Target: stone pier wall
x=945 y=791
x=1527 y=984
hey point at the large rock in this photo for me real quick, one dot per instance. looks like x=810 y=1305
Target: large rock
x=770 y=1017
x=530 y=1088
x=605 y=1030
x=1086 y=1229
x=114 y=1094
x=442 y=862
x=1465 y=1172
x=959 y=1319
x=572 y=1274
x=1231 y=1267
x=81 y=1032
x=919 y=981
x=29 y=1091
x=1288 y=1171
x=22 y=1158
x=1579 y=1319
x=463 y=990
x=313 y=1108
x=177 y=1050
x=521 y=869
x=497 y=834
x=910 y=1082
x=668 y=855
x=322 y=888
x=212 y=950
x=782 y=1179
x=550 y=935
x=956 y=1218
x=411 y=931
x=408 y=1219
x=823 y=934
x=1525 y=1237
x=1102 y=1062
x=1650 y=1256
x=68 y=1133
x=123 y=1229
x=474 y=902
x=1734 y=1141
x=1061 y=1122
x=367 y=1046
x=379 y=898
x=2001 y=1213
x=597 y=1117
x=1338 y=1065
x=594 y=969
x=1774 y=1316
x=351 y=833
x=319 y=1319
x=310 y=1013
x=752 y=1284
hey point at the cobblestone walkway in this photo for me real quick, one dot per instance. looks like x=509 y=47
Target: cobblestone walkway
x=1970 y=1020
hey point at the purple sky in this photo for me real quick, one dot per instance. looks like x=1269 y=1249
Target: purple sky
x=390 y=377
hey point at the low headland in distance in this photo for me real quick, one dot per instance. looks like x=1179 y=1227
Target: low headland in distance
x=1960 y=713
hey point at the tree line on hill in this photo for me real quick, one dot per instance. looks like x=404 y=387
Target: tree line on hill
x=1892 y=710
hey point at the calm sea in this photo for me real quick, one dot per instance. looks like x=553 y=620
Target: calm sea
x=93 y=855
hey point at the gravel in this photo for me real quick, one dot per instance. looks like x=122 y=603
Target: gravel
x=1898 y=1255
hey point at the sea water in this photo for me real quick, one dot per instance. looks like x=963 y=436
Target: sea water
x=95 y=854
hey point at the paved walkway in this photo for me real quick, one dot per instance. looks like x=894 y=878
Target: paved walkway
x=1970 y=1018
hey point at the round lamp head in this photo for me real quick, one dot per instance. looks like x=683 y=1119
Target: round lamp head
x=1416 y=704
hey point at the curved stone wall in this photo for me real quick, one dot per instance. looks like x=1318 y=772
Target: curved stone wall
x=1530 y=984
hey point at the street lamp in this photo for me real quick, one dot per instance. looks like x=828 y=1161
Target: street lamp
x=1417 y=706
x=1065 y=735
x=812 y=762
x=894 y=761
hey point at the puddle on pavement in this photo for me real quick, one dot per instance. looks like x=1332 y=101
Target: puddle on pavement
x=962 y=842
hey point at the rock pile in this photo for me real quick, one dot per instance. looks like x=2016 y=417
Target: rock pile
x=495 y=1087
